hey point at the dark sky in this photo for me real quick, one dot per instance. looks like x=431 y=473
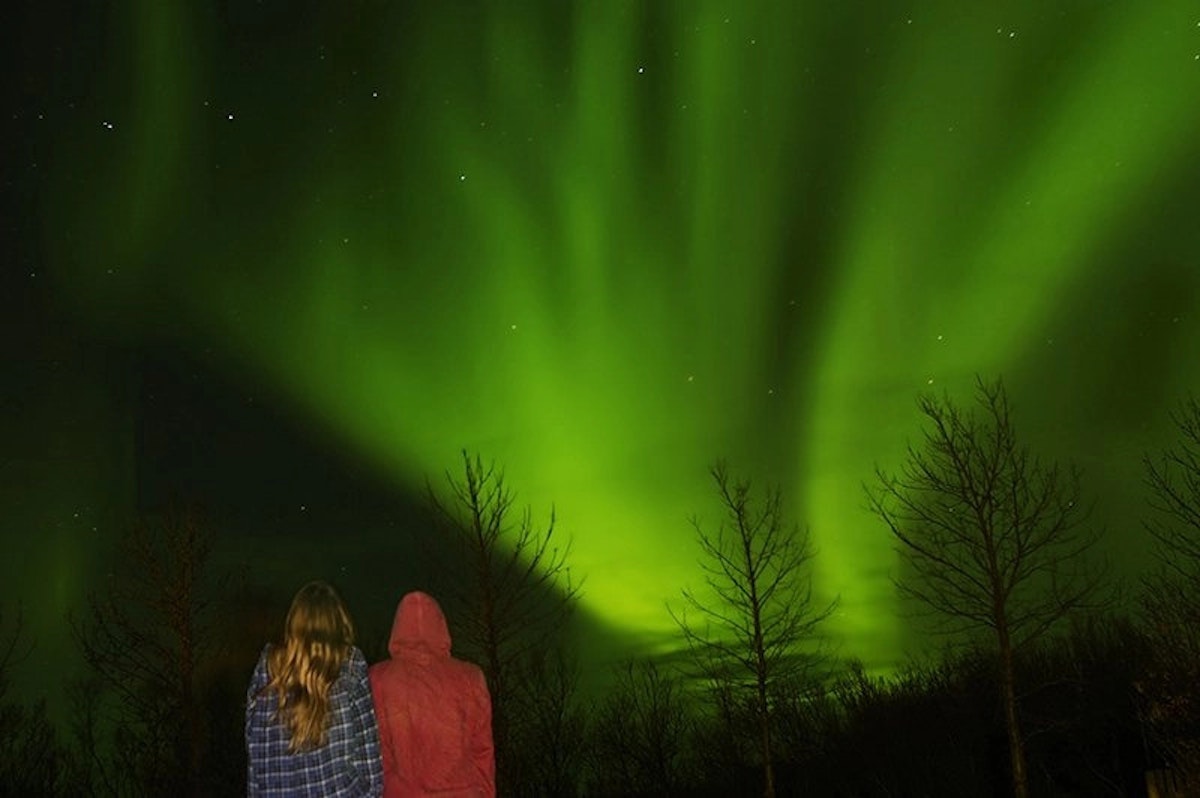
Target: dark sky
x=287 y=259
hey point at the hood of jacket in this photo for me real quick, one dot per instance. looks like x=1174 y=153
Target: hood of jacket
x=419 y=628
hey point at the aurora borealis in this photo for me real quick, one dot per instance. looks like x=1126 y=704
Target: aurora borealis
x=603 y=243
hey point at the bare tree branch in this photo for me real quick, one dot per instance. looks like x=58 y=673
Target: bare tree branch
x=758 y=613
x=145 y=637
x=990 y=536
x=1171 y=596
x=518 y=594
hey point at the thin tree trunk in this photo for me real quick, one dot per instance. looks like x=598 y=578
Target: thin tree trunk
x=1016 y=747
x=764 y=714
x=768 y=769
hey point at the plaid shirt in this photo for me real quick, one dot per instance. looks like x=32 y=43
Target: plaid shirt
x=347 y=765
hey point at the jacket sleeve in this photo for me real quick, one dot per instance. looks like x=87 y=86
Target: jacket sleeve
x=254 y=725
x=366 y=751
x=482 y=750
x=383 y=722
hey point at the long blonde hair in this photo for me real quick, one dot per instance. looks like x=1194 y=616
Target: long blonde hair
x=317 y=640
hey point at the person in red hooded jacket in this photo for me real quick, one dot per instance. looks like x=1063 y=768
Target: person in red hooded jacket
x=434 y=711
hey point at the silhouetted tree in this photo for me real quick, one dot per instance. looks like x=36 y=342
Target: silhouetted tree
x=992 y=537
x=796 y=730
x=639 y=734
x=1171 y=595
x=93 y=770
x=32 y=762
x=14 y=646
x=1174 y=481
x=146 y=637
x=508 y=588
x=750 y=625
x=550 y=739
x=880 y=734
x=1081 y=713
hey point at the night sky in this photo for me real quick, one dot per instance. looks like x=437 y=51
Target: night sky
x=287 y=259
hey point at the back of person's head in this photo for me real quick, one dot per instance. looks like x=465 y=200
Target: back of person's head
x=318 y=637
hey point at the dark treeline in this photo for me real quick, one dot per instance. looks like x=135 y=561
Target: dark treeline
x=1051 y=679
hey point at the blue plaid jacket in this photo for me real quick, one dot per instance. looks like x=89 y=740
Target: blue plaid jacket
x=347 y=765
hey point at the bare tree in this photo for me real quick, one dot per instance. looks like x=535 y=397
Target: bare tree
x=145 y=637
x=1171 y=595
x=508 y=585
x=549 y=741
x=32 y=761
x=991 y=537
x=750 y=627
x=1174 y=482
x=15 y=646
x=640 y=733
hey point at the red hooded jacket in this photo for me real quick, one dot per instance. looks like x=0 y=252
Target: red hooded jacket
x=434 y=711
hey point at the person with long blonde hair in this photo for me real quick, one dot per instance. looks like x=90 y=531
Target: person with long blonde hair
x=310 y=720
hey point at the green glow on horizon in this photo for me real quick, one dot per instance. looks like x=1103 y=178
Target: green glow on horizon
x=1017 y=248
x=573 y=264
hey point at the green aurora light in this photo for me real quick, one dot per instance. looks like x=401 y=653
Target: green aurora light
x=608 y=243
